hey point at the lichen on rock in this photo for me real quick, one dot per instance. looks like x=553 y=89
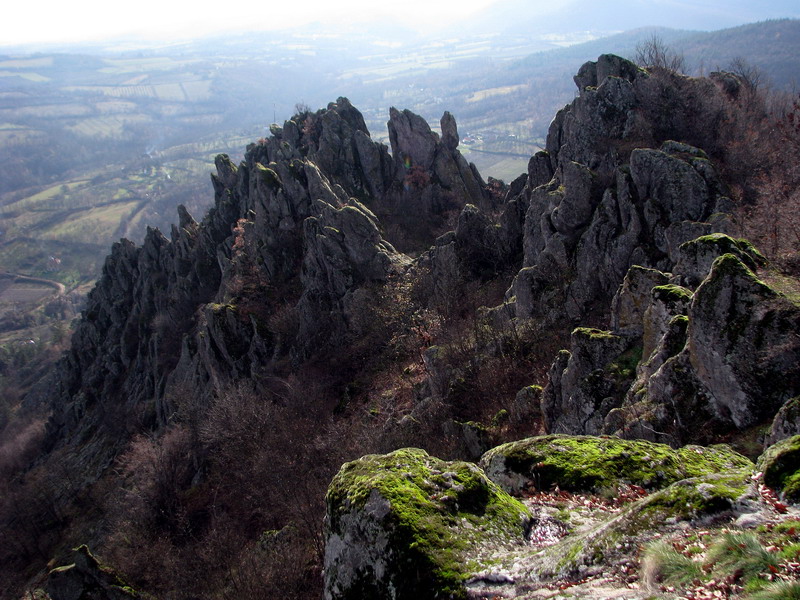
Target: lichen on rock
x=85 y=578
x=591 y=463
x=408 y=525
x=780 y=465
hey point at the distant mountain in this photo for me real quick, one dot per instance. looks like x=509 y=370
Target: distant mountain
x=563 y=16
x=772 y=46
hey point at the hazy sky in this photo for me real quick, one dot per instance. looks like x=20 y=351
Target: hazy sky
x=26 y=21
x=57 y=21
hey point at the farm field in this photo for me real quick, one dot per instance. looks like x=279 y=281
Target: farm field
x=15 y=289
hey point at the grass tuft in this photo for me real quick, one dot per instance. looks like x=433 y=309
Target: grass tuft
x=781 y=590
x=663 y=564
x=741 y=554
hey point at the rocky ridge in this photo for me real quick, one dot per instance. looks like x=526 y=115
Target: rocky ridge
x=621 y=222
x=286 y=228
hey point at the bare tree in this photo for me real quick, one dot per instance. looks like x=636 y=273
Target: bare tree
x=653 y=53
x=749 y=74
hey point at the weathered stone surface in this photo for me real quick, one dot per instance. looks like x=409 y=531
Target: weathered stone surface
x=191 y=312
x=86 y=579
x=671 y=188
x=579 y=395
x=780 y=465
x=605 y=112
x=590 y=463
x=667 y=302
x=786 y=423
x=527 y=405
x=633 y=299
x=344 y=251
x=413 y=142
x=540 y=169
x=659 y=202
x=642 y=203
x=725 y=356
x=404 y=526
x=477 y=243
x=743 y=343
x=450 y=137
x=696 y=256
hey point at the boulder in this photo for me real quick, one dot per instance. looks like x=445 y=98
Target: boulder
x=780 y=465
x=406 y=525
x=743 y=344
x=593 y=464
x=86 y=579
x=696 y=256
x=786 y=423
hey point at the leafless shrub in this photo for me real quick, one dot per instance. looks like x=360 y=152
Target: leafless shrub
x=750 y=75
x=653 y=53
x=156 y=471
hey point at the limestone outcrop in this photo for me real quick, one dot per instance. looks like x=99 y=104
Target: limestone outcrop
x=620 y=193
x=305 y=261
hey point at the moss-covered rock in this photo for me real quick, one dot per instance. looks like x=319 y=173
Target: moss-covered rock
x=270 y=178
x=743 y=344
x=408 y=525
x=586 y=383
x=786 y=423
x=696 y=257
x=684 y=500
x=671 y=293
x=588 y=463
x=780 y=465
x=697 y=496
x=85 y=578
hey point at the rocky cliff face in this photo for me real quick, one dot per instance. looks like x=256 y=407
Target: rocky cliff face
x=192 y=312
x=609 y=204
x=681 y=363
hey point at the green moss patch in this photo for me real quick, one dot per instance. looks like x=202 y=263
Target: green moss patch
x=684 y=500
x=269 y=176
x=780 y=464
x=426 y=513
x=593 y=334
x=696 y=497
x=671 y=293
x=721 y=244
x=589 y=463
